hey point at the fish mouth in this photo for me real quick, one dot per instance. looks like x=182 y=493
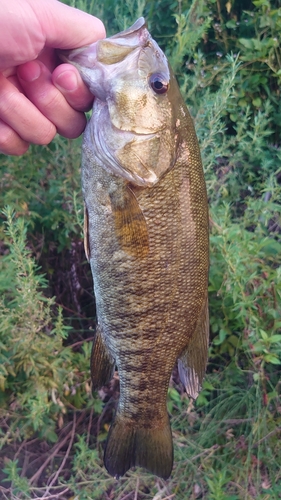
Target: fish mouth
x=82 y=57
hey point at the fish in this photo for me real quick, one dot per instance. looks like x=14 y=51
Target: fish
x=147 y=240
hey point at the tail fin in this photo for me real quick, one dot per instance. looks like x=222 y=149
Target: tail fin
x=129 y=446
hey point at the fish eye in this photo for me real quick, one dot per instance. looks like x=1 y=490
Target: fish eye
x=158 y=84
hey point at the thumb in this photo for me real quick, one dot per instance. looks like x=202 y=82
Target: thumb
x=66 y=27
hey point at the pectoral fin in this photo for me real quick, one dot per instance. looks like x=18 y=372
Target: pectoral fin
x=192 y=364
x=86 y=234
x=102 y=363
x=130 y=223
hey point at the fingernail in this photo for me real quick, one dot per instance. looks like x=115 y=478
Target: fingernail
x=67 y=81
x=30 y=71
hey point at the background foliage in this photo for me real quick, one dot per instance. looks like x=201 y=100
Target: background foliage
x=226 y=56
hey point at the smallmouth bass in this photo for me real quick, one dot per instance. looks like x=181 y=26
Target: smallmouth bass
x=146 y=237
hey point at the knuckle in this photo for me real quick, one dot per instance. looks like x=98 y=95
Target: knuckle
x=49 y=102
x=11 y=143
x=22 y=122
x=21 y=149
x=80 y=99
x=73 y=127
x=8 y=102
x=7 y=136
x=47 y=134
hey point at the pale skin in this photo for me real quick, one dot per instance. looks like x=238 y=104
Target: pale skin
x=39 y=96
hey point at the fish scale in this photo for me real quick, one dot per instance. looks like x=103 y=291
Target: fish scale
x=146 y=236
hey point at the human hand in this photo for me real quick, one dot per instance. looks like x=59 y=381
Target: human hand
x=39 y=96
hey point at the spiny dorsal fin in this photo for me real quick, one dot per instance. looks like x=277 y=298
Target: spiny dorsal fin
x=130 y=224
x=86 y=234
x=192 y=363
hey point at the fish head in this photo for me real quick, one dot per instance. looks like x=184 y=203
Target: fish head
x=131 y=75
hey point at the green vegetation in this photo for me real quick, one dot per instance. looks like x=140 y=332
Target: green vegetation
x=227 y=444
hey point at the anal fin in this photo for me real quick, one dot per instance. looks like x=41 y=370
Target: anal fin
x=192 y=363
x=102 y=363
x=130 y=224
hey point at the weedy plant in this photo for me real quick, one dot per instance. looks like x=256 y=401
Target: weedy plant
x=227 y=60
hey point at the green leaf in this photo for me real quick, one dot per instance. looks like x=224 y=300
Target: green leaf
x=220 y=339
x=242 y=103
x=208 y=386
x=264 y=21
x=231 y=24
x=263 y=335
x=248 y=43
x=260 y=3
x=257 y=102
x=271 y=246
x=271 y=358
x=274 y=339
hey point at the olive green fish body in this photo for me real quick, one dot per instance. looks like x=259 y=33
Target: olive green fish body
x=146 y=232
